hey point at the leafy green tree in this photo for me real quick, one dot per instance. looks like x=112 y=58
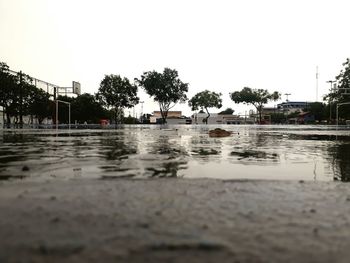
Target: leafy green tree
x=278 y=118
x=293 y=114
x=7 y=88
x=228 y=111
x=318 y=109
x=204 y=100
x=85 y=107
x=19 y=97
x=342 y=93
x=343 y=80
x=166 y=88
x=255 y=97
x=118 y=93
x=131 y=120
x=39 y=104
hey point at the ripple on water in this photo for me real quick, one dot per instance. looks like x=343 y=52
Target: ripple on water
x=263 y=152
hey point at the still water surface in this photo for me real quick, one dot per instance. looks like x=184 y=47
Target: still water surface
x=252 y=152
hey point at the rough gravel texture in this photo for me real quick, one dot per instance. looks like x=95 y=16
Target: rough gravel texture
x=174 y=220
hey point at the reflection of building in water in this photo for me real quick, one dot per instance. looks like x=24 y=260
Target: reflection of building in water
x=215 y=118
x=173 y=117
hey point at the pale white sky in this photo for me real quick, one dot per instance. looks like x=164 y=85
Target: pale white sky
x=219 y=45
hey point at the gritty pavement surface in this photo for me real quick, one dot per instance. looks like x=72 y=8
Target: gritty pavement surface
x=174 y=220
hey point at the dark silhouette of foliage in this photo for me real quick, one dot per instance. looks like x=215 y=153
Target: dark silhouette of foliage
x=16 y=93
x=342 y=93
x=318 y=109
x=228 y=111
x=7 y=90
x=255 y=97
x=86 y=108
x=204 y=100
x=39 y=104
x=118 y=93
x=166 y=88
x=278 y=117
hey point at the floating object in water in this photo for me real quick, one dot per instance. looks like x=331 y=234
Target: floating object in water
x=219 y=133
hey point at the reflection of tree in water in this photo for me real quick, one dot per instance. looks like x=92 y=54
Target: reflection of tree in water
x=256 y=147
x=254 y=155
x=206 y=148
x=117 y=147
x=261 y=140
x=164 y=146
x=341 y=165
x=18 y=147
x=168 y=157
x=167 y=168
x=18 y=138
x=16 y=150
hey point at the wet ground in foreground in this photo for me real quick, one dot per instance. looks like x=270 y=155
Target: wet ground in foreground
x=252 y=152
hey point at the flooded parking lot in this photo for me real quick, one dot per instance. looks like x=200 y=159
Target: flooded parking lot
x=252 y=152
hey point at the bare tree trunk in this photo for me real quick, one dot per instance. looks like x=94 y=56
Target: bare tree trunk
x=116 y=112
x=260 y=113
x=8 y=119
x=206 y=119
x=258 y=109
x=3 y=117
x=164 y=114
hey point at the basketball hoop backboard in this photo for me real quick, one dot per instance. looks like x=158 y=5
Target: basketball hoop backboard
x=76 y=88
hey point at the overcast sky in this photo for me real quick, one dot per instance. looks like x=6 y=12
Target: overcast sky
x=218 y=45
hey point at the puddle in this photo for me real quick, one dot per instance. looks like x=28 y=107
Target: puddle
x=252 y=152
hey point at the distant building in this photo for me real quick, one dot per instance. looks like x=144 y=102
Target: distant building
x=173 y=117
x=171 y=114
x=293 y=106
x=215 y=118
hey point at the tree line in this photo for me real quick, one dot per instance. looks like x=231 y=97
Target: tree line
x=19 y=97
